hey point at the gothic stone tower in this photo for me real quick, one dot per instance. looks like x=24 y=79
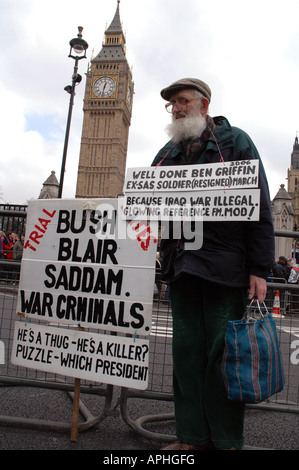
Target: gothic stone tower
x=107 y=117
x=293 y=180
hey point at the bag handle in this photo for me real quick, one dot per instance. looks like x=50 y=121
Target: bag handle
x=258 y=306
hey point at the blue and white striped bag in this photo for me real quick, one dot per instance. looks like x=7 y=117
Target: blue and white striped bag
x=252 y=365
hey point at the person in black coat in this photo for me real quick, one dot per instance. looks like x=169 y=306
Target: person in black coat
x=282 y=270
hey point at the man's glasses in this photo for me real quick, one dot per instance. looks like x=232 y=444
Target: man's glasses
x=181 y=102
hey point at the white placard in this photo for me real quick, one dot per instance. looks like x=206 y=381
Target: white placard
x=88 y=356
x=83 y=265
x=228 y=205
x=212 y=176
x=224 y=191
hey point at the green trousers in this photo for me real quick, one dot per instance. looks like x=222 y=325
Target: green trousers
x=203 y=413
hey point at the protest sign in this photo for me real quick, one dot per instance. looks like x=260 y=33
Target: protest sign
x=209 y=192
x=204 y=205
x=87 y=356
x=227 y=175
x=84 y=265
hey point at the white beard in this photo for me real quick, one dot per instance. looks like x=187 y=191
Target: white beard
x=186 y=128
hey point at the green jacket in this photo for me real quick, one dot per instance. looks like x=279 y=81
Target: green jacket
x=232 y=250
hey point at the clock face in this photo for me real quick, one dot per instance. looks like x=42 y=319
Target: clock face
x=104 y=87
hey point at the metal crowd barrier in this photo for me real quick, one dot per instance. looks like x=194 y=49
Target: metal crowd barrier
x=160 y=365
x=160 y=386
x=14 y=376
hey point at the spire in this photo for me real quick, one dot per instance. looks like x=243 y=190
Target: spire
x=282 y=193
x=115 y=41
x=295 y=155
x=50 y=187
x=115 y=26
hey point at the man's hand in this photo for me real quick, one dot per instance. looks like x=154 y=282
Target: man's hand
x=258 y=287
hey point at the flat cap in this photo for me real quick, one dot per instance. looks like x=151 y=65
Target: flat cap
x=194 y=83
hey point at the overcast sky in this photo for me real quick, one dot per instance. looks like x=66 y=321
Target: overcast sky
x=247 y=52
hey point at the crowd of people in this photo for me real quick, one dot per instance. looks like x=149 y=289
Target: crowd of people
x=285 y=270
x=11 y=249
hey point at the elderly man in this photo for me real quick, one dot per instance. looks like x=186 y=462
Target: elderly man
x=210 y=286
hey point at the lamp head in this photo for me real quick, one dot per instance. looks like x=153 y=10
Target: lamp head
x=78 y=46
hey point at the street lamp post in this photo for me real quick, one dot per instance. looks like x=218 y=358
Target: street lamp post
x=77 y=52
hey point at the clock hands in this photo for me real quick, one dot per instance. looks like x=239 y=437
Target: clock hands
x=104 y=87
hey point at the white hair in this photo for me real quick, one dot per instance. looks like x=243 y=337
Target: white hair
x=188 y=127
x=199 y=96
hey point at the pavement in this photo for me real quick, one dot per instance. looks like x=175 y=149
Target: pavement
x=264 y=430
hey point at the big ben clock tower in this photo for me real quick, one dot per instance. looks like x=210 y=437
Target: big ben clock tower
x=107 y=116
